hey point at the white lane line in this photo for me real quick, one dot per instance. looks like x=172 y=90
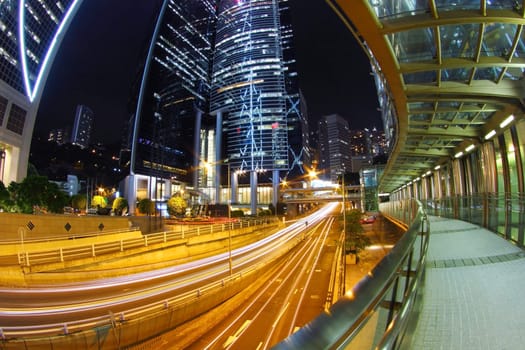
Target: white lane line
x=234 y=337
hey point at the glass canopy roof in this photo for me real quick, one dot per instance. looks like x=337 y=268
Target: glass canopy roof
x=453 y=70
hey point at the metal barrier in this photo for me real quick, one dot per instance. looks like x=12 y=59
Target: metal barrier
x=376 y=312
x=61 y=254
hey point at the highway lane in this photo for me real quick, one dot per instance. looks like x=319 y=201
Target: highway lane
x=79 y=301
x=293 y=295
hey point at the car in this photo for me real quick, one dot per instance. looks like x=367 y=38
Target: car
x=368 y=219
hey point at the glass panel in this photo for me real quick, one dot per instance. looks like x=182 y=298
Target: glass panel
x=420 y=105
x=420 y=117
x=502 y=4
x=486 y=115
x=420 y=77
x=447 y=5
x=413 y=45
x=498 y=39
x=449 y=104
x=520 y=130
x=466 y=116
x=491 y=73
x=449 y=116
x=514 y=208
x=459 y=40
x=385 y=8
x=500 y=207
x=514 y=73
x=459 y=75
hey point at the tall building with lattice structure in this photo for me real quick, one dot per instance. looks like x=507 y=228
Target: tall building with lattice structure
x=219 y=88
x=30 y=33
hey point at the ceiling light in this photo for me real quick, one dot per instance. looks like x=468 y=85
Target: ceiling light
x=490 y=134
x=458 y=155
x=470 y=148
x=507 y=121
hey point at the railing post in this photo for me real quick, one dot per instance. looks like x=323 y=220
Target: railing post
x=164 y=235
x=27 y=259
x=61 y=255
x=93 y=249
x=146 y=241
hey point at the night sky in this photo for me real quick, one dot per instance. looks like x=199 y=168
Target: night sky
x=100 y=58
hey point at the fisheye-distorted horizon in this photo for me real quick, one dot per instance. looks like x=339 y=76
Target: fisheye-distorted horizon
x=100 y=58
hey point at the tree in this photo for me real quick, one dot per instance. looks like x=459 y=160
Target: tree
x=79 y=201
x=119 y=204
x=355 y=240
x=177 y=206
x=5 y=198
x=99 y=201
x=146 y=206
x=37 y=192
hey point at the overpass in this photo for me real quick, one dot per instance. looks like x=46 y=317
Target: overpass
x=321 y=194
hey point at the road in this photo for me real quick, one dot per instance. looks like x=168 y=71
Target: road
x=79 y=302
x=294 y=292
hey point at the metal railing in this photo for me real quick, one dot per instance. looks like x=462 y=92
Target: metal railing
x=502 y=213
x=376 y=312
x=65 y=253
x=133 y=325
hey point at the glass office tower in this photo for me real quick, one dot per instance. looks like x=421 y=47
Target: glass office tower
x=30 y=32
x=254 y=94
x=219 y=87
x=173 y=99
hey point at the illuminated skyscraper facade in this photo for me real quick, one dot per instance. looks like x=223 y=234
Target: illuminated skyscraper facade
x=30 y=32
x=220 y=86
x=84 y=118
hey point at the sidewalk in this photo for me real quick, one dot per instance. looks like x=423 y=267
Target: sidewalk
x=473 y=296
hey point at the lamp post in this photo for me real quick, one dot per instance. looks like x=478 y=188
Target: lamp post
x=229 y=222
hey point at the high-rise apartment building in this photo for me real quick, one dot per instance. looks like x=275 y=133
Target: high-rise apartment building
x=83 y=126
x=30 y=32
x=59 y=136
x=219 y=87
x=334 y=146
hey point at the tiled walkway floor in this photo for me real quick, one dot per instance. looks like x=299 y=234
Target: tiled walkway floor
x=474 y=296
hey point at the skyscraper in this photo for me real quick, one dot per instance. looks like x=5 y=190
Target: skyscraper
x=220 y=75
x=334 y=145
x=254 y=94
x=84 y=118
x=30 y=32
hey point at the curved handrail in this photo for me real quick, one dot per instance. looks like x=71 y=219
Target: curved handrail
x=383 y=299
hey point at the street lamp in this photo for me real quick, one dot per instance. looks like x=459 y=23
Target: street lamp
x=229 y=222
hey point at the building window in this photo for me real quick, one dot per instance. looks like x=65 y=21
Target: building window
x=3 y=108
x=17 y=118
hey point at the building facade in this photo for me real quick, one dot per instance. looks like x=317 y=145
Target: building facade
x=30 y=33
x=219 y=91
x=334 y=146
x=83 y=126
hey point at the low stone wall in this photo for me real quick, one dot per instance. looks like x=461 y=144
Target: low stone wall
x=55 y=225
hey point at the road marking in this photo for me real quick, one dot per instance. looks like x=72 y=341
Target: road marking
x=233 y=338
x=283 y=310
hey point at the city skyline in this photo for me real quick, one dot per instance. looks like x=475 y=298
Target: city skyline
x=106 y=85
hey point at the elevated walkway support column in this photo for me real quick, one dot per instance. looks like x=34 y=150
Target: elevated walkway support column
x=276 y=182
x=234 y=186
x=218 y=153
x=253 y=191
x=197 y=148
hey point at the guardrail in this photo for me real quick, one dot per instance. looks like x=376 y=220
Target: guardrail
x=376 y=312
x=116 y=330
x=62 y=254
